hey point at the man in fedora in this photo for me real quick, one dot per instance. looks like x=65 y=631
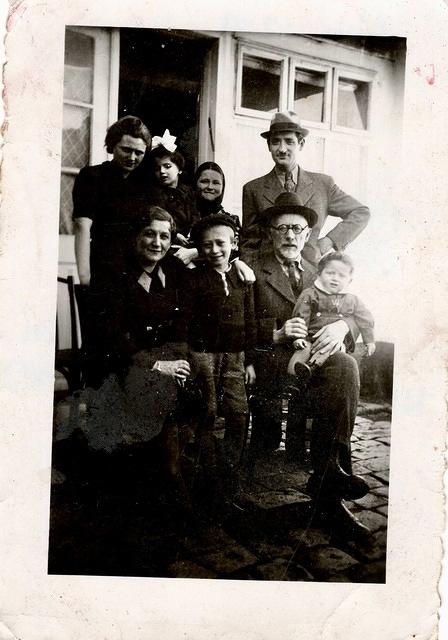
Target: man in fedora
x=286 y=138
x=331 y=395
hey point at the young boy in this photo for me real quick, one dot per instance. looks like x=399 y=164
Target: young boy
x=221 y=337
x=325 y=302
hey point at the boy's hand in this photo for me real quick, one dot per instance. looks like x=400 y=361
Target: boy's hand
x=300 y=343
x=186 y=255
x=243 y=271
x=370 y=348
x=250 y=376
x=181 y=239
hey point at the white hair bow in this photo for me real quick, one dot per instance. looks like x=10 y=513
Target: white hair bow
x=167 y=141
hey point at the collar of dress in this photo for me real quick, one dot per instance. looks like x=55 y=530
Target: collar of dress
x=145 y=278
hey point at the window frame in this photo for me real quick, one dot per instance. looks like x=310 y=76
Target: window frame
x=261 y=52
x=360 y=75
x=104 y=104
x=327 y=69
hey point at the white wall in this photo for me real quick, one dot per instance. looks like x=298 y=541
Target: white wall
x=367 y=170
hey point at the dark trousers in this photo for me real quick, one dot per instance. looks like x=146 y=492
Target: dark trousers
x=331 y=399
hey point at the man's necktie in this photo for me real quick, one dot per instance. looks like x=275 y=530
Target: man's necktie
x=289 y=182
x=294 y=278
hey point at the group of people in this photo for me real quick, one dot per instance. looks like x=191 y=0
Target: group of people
x=188 y=309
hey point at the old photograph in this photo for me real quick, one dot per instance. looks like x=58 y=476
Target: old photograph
x=224 y=356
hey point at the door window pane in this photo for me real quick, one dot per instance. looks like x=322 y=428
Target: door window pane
x=309 y=94
x=66 y=204
x=78 y=67
x=353 y=103
x=75 y=136
x=260 y=83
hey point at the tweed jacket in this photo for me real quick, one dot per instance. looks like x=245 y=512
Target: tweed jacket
x=274 y=304
x=317 y=191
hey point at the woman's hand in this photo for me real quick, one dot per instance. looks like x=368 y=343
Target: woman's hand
x=186 y=255
x=177 y=369
x=250 y=376
x=292 y=329
x=329 y=339
x=243 y=271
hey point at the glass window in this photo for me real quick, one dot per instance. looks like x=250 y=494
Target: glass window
x=261 y=83
x=66 y=204
x=78 y=67
x=76 y=125
x=309 y=94
x=75 y=136
x=353 y=103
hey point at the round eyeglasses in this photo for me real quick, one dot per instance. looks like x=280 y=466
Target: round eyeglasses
x=284 y=228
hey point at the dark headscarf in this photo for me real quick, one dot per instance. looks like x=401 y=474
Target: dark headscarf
x=206 y=207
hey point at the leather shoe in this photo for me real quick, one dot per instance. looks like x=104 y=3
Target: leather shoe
x=336 y=482
x=302 y=372
x=342 y=523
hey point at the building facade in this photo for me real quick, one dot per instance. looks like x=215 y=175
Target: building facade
x=216 y=91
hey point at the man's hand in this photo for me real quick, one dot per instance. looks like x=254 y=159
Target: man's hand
x=243 y=271
x=329 y=339
x=250 y=376
x=325 y=245
x=370 y=348
x=292 y=329
x=186 y=255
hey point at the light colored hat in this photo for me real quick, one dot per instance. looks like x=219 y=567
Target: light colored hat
x=285 y=121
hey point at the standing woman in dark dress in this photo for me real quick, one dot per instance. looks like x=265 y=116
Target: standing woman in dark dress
x=104 y=199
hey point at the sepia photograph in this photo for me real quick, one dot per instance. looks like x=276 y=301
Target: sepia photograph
x=224 y=352
x=222 y=322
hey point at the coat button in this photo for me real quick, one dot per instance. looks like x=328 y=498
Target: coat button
x=318 y=314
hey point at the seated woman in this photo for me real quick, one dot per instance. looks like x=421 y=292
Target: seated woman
x=141 y=348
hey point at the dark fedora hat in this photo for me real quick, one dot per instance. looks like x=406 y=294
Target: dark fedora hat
x=289 y=202
x=285 y=121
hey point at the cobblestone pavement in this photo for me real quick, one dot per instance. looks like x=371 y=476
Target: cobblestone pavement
x=268 y=535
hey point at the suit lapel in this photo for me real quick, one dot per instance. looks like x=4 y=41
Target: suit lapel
x=271 y=187
x=277 y=279
x=305 y=189
x=308 y=274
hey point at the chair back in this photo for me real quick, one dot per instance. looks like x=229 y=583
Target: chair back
x=68 y=360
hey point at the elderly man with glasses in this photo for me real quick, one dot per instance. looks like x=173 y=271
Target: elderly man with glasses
x=332 y=394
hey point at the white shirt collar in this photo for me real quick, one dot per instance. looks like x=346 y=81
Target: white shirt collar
x=284 y=262
x=146 y=278
x=281 y=175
